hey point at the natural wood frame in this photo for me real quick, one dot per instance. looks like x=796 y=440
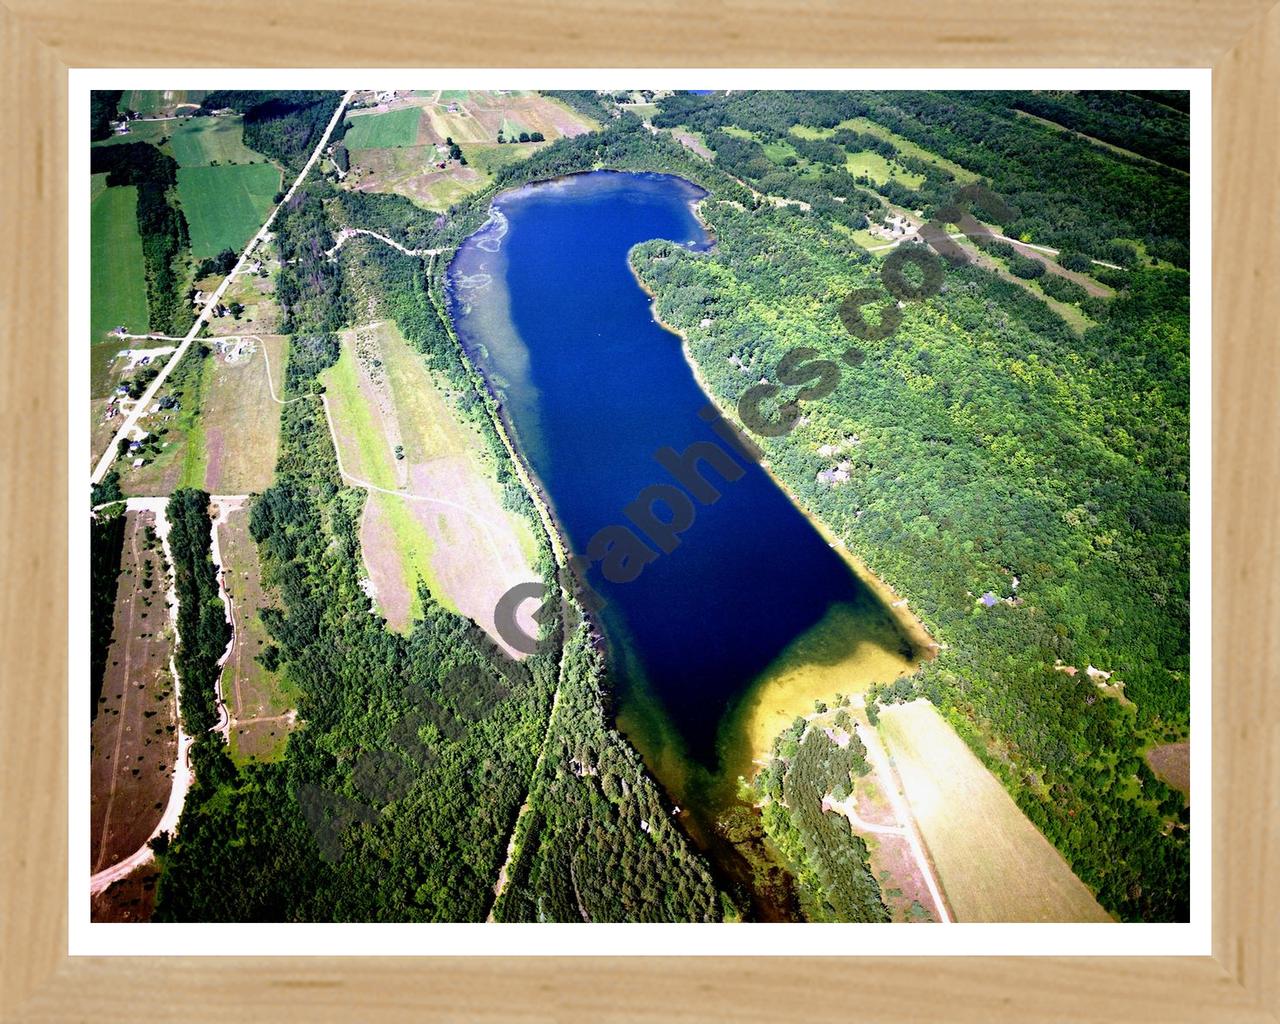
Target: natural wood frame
x=1240 y=39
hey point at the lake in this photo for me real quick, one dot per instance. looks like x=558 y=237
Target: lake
x=716 y=645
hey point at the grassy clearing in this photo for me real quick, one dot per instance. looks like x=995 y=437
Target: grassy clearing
x=117 y=276
x=201 y=141
x=240 y=422
x=450 y=528
x=225 y=205
x=880 y=170
x=992 y=862
x=908 y=148
x=489 y=158
x=141 y=131
x=383 y=131
x=259 y=699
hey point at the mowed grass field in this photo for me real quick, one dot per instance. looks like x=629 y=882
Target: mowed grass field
x=880 y=170
x=225 y=205
x=444 y=523
x=117 y=278
x=241 y=421
x=395 y=128
x=259 y=700
x=201 y=141
x=992 y=862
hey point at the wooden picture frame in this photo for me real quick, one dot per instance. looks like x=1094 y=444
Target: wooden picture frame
x=1239 y=39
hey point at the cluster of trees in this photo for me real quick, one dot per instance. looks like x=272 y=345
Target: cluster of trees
x=989 y=444
x=103 y=106
x=160 y=223
x=283 y=125
x=203 y=630
x=309 y=284
x=220 y=265
x=831 y=864
x=106 y=544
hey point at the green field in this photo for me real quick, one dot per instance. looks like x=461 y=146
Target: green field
x=117 y=279
x=199 y=141
x=141 y=131
x=225 y=205
x=383 y=131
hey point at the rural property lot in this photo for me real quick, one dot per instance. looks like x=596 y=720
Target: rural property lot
x=241 y=421
x=225 y=205
x=259 y=700
x=436 y=513
x=134 y=733
x=380 y=131
x=993 y=864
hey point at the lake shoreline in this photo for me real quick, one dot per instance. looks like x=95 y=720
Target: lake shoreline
x=914 y=628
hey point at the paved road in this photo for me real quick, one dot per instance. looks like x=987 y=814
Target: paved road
x=131 y=419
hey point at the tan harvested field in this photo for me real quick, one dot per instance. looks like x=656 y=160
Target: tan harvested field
x=436 y=514
x=260 y=701
x=992 y=863
x=130 y=900
x=240 y=421
x=134 y=733
x=1172 y=764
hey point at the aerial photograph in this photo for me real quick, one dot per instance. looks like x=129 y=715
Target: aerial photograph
x=637 y=505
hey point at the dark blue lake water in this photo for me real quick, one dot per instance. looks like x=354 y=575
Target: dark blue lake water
x=546 y=303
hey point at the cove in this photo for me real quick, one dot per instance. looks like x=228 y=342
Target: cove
x=717 y=645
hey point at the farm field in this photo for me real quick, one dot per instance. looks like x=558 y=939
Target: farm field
x=201 y=141
x=134 y=733
x=140 y=131
x=388 y=160
x=225 y=205
x=259 y=700
x=442 y=520
x=117 y=278
x=992 y=863
x=394 y=128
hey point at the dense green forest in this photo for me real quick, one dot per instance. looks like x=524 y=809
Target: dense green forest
x=830 y=863
x=104 y=105
x=160 y=223
x=992 y=450
x=203 y=631
x=106 y=544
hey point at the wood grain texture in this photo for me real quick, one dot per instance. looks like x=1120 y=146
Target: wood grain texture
x=38 y=40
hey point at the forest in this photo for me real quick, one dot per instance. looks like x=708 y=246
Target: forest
x=830 y=863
